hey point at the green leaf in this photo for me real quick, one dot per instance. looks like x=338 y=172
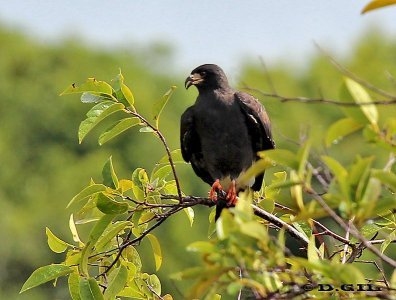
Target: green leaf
x=88 y=191
x=386 y=177
x=255 y=230
x=89 y=289
x=360 y=96
x=257 y=168
x=139 y=183
x=45 y=274
x=116 y=282
x=155 y=283
x=176 y=157
x=117 y=128
x=146 y=129
x=282 y=157
x=55 y=243
x=111 y=231
x=92 y=85
x=87 y=97
x=369 y=199
x=95 y=115
x=340 y=129
x=161 y=173
x=272 y=190
x=74 y=286
x=109 y=176
x=375 y=4
x=158 y=107
x=201 y=246
x=389 y=239
x=110 y=206
x=225 y=224
x=94 y=236
x=336 y=168
x=155 y=245
x=302 y=157
x=124 y=94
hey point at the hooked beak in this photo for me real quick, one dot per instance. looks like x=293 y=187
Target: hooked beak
x=193 y=79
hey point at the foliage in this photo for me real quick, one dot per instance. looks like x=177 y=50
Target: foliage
x=43 y=165
x=244 y=258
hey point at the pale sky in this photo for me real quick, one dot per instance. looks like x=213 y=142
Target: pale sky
x=204 y=31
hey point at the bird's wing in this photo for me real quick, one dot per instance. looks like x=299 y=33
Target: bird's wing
x=259 y=127
x=191 y=146
x=257 y=120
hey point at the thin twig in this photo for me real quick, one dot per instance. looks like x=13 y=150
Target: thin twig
x=353 y=230
x=353 y=76
x=280 y=224
x=378 y=268
x=319 y=100
x=168 y=152
x=326 y=231
x=268 y=76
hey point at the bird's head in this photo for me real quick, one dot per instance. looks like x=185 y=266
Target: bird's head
x=208 y=76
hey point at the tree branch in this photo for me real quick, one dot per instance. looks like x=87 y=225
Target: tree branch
x=319 y=100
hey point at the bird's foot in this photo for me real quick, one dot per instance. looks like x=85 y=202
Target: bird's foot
x=232 y=194
x=213 y=191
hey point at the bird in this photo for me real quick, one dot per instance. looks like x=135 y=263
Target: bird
x=221 y=134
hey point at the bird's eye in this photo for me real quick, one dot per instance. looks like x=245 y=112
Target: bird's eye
x=203 y=73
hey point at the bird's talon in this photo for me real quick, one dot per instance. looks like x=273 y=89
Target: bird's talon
x=232 y=195
x=213 y=191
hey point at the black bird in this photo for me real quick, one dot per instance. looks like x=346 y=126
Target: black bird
x=222 y=132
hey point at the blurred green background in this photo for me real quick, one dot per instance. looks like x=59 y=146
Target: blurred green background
x=43 y=166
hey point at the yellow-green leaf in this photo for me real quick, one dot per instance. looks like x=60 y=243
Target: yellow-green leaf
x=123 y=93
x=74 y=286
x=360 y=95
x=296 y=190
x=55 y=243
x=375 y=4
x=190 y=214
x=313 y=255
x=73 y=230
x=340 y=129
x=88 y=191
x=109 y=176
x=386 y=177
x=116 y=282
x=91 y=85
x=45 y=274
x=155 y=245
x=127 y=94
x=89 y=289
x=282 y=157
x=201 y=246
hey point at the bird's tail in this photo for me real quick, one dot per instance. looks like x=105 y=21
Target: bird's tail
x=220 y=205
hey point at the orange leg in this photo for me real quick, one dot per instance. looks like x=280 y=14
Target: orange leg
x=232 y=194
x=213 y=191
